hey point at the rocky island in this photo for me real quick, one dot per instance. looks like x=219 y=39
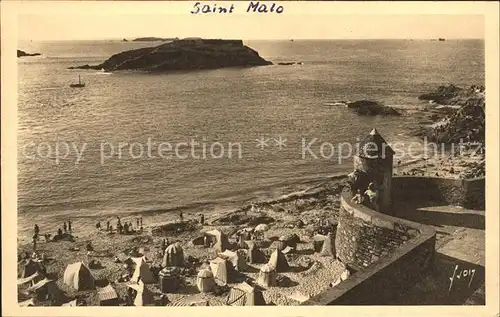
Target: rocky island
x=23 y=54
x=153 y=39
x=186 y=54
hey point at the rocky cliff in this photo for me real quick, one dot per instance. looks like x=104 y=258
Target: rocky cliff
x=183 y=55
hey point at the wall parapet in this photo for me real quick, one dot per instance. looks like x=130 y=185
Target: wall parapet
x=382 y=276
x=468 y=193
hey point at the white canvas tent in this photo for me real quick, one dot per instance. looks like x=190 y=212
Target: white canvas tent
x=221 y=243
x=219 y=268
x=142 y=272
x=79 y=277
x=144 y=296
x=238 y=261
x=245 y=295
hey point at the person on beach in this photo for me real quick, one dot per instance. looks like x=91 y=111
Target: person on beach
x=69 y=225
x=89 y=248
x=125 y=228
x=59 y=232
x=35 y=237
x=98 y=226
x=202 y=219
x=65 y=228
x=137 y=222
x=140 y=221
x=163 y=246
x=37 y=229
x=107 y=225
x=118 y=225
x=181 y=215
x=130 y=226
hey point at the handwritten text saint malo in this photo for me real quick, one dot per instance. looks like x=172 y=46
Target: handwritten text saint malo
x=252 y=7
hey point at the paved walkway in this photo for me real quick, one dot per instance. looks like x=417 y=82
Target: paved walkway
x=457 y=277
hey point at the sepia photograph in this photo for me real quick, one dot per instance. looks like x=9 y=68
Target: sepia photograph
x=232 y=154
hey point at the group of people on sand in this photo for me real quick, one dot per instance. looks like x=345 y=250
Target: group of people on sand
x=36 y=235
x=122 y=228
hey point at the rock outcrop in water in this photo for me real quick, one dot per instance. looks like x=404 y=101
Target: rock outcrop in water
x=153 y=39
x=372 y=108
x=23 y=54
x=183 y=55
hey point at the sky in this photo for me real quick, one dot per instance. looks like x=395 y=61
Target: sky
x=74 y=23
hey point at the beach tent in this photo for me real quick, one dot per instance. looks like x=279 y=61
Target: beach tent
x=255 y=255
x=345 y=275
x=142 y=272
x=261 y=228
x=219 y=268
x=47 y=290
x=174 y=255
x=267 y=276
x=242 y=242
x=221 y=243
x=144 y=296
x=281 y=245
x=29 y=268
x=245 y=295
x=328 y=248
x=32 y=278
x=237 y=259
x=278 y=261
x=205 y=281
x=107 y=296
x=290 y=240
x=318 y=241
x=197 y=300
x=78 y=276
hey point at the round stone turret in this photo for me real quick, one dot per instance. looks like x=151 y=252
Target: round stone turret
x=375 y=157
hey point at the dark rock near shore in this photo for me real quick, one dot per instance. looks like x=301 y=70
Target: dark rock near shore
x=372 y=108
x=467 y=123
x=451 y=94
x=183 y=55
x=23 y=54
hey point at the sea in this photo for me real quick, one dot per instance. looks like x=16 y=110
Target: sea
x=130 y=143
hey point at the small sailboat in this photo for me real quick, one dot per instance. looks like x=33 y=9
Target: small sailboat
x=79 y=85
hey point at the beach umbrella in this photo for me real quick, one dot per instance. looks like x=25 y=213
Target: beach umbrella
x=262 y=227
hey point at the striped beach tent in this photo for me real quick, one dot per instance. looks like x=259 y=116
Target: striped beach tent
x=107 y=296
x=220 y=268
x=205 y=281
x=245 y=295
